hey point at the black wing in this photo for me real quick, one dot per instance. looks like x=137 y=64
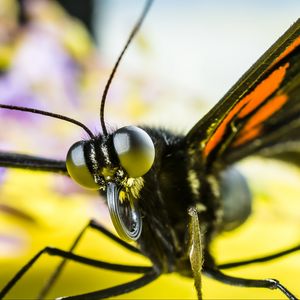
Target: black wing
x=260 y=114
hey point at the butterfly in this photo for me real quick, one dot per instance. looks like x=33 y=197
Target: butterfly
x=172 y=194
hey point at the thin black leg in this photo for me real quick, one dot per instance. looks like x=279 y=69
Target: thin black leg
x=74 y=257
x=92 y=224
x=53 y=278
x=117 y=290
x=259 y=259
x=257 y=283
x=30 y=162
x=211 y=270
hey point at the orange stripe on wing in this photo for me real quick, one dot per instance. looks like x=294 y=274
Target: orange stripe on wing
x=288 y=50
x=247 y=105
x=218 y=134
x=253 y=127
x=264 y=90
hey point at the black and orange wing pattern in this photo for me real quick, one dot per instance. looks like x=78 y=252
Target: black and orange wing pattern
x=260 y=115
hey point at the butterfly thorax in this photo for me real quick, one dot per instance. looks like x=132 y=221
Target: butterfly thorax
x=171 y=187
x=164 y=200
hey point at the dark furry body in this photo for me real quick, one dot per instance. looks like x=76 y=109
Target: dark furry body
x=165 y=200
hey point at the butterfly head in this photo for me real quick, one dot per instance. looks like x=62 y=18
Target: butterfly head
x=115 y=163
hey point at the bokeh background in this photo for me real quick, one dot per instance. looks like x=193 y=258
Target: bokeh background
x=187 y=55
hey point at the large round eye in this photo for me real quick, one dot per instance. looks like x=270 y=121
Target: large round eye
x=135 y=150
x=77 y=167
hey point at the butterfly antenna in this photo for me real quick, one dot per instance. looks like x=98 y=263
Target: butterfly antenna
x=131 y=36
x=49 y=114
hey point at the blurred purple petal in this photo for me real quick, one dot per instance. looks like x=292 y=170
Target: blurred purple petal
x=2 y=174
x=13 y=92
x=65 y=186
x=46 y=67
x=42 y=72
x=11 y=245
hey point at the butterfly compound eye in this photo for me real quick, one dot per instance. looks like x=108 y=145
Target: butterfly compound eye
x=77 y=167
x=135 y=150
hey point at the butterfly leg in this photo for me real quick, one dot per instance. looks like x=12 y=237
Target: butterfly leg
x=211 y=270
x=29 y=162
x=118 y=289
x=259 y=259
x=91 y=224
x=74 y=257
